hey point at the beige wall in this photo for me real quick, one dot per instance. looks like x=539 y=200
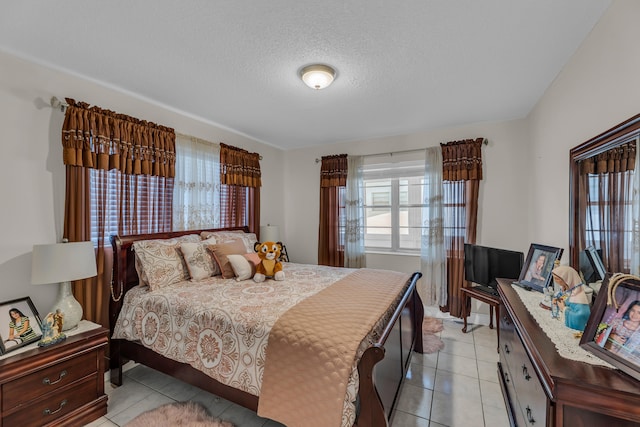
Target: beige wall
x=32 y=174
x=597 y=89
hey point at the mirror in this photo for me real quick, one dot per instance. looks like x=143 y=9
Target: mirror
x=611 y=151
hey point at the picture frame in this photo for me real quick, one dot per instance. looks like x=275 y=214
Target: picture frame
x=603 y=335
x=536 y=270
x=10 y=339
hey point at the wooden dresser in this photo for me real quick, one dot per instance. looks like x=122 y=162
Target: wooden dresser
x=59 y=385
x=542 y=388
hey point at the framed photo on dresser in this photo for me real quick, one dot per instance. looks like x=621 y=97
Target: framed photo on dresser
x=536 y=270
x=613 y=330
x=20 y=324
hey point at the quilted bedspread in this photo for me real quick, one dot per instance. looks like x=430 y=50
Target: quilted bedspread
x=221 y=327
x=313 y=346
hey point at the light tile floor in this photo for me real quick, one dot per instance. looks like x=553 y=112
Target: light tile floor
x=458 y=386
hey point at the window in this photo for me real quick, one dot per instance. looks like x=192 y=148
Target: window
x=129 y=204
x=609 y=217
x=393 y=205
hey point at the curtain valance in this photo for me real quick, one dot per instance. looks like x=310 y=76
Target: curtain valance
x=102 y=139
x=333 y=171
x=617 y=159
x=239 y=167
x=462 y=160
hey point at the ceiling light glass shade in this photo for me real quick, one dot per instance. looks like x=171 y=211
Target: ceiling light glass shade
x=317 y=76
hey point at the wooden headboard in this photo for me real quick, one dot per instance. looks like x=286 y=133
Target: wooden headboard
x=125 y=275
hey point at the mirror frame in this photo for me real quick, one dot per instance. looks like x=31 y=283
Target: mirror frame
x=613 y=137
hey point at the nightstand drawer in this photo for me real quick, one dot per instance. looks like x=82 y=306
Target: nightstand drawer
x=53 y=407
x=29 y=387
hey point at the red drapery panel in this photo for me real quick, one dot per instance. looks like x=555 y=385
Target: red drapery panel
x=119 y=168
x=462 y=168
x=102 y=139
x=462 y=160
x=333 y=180
x=240 y=177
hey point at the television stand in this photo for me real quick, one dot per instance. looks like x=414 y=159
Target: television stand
x=492 y=300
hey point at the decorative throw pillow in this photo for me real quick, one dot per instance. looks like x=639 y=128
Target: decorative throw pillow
x=242 y=267
x=253 y=257
x=199 y=261
x=149 y=255
x=226 y=236
x=221 y=251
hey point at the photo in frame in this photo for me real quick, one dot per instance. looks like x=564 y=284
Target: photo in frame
x=613 y=330
x=20 y=324
x=536 y=270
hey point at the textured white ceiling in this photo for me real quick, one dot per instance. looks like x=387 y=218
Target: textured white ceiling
x=403 y=66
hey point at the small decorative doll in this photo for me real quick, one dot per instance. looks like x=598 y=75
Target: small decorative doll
x=571 y=299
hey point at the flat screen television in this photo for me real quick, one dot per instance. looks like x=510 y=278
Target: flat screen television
x=483 y=265
x=591 y=265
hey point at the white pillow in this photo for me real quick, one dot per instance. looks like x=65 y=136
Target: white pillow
x=243 y=269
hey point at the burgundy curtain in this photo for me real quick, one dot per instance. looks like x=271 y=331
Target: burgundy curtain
x=606 y=187
x=240 y=179
x=117 y=166
x=462 y=172
x=333 y=181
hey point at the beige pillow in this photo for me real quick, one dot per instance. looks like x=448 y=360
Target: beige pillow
x=242 y=267
x=221 y=251
x=154 y=260
x=144 y=245
x=199 y=260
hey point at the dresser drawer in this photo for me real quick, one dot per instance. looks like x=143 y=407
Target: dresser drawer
x=53 y=407
x=22 y=390
x=531 y=398
x=508 y=341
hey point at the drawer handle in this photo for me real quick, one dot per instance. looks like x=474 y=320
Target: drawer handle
x=530 y=416
x=506 y=377
x=50 y=412
x=506 y=349
x=47 y=381
x=525 y=373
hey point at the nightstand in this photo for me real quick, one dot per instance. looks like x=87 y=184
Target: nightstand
x=62 y=384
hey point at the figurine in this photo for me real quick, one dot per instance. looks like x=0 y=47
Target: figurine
x=52 y=329
x=571 y=299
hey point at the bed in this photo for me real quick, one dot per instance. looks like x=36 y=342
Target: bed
x=382 y=359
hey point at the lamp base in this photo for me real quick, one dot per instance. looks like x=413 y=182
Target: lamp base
x=69 y=306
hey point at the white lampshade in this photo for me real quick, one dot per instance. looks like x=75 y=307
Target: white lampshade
x=317 y=76
x=62 y=263
x=269 y=233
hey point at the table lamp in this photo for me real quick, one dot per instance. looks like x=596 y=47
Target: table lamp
x=269 y=233
x=64 y=262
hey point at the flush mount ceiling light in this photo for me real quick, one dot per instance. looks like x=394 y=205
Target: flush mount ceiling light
x=317 y=76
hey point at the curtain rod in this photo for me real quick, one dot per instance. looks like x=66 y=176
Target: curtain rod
x=391 y=153
x=57 y=104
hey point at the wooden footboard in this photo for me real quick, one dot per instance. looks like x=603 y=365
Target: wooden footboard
x=382 y=367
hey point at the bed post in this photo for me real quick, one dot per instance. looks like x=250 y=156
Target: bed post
x=115 y=305
x=371 y=409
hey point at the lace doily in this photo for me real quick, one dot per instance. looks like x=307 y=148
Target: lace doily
x=563 y=338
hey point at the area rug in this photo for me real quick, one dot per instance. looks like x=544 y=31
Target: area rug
x=430 y=341
x=184 y=414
